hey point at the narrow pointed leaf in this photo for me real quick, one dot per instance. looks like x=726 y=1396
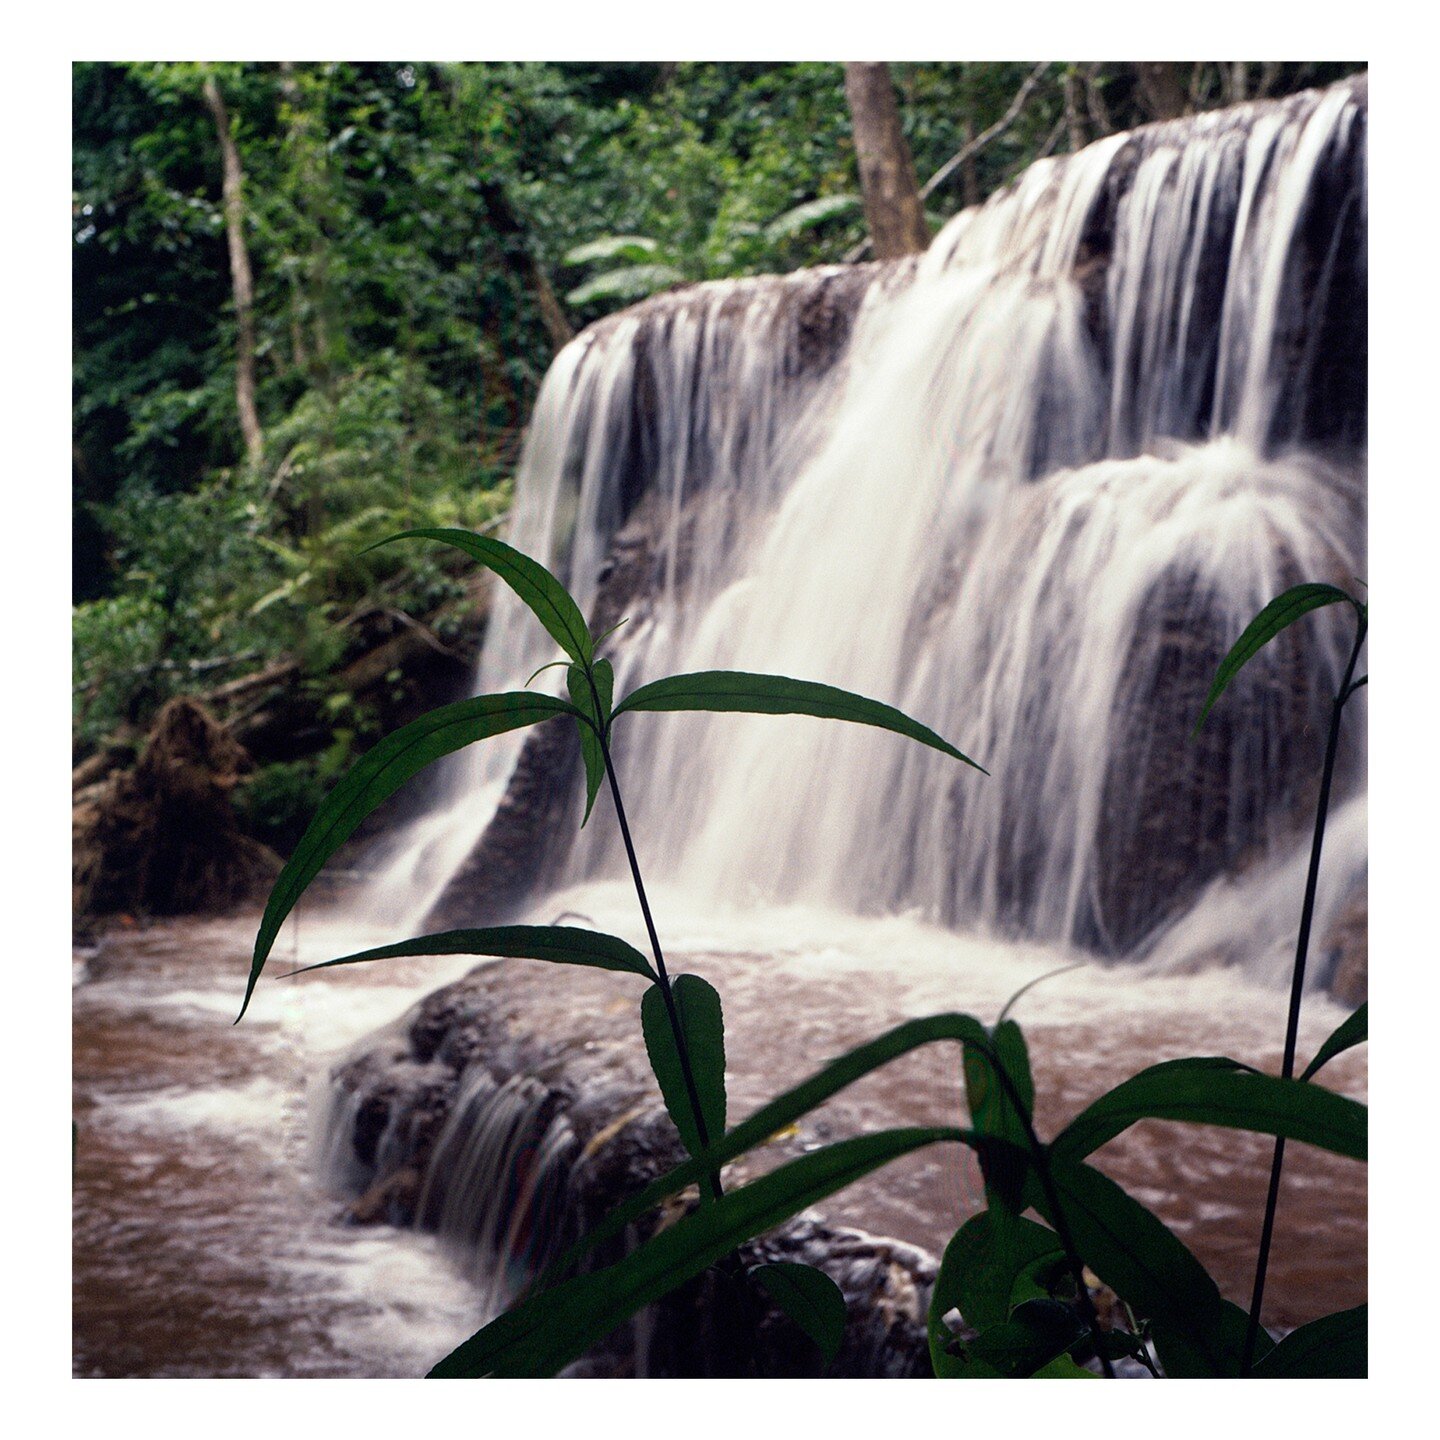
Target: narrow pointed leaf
x=529 y=579
x=737 y=690
x=560 y=944
x=769 y=1120
x=542 y=1335
x=993 y=1109
x=1141 y=1260
x=697 y=1003
x=1282 y=612
x=1334 y=1348
x=1348 y=1034
x=584 y=699
x=810 y=1298
x=1209 y=1092
x=377 y=775
x=1181 y=1359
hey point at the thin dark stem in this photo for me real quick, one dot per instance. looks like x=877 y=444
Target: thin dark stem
x=1040 y=1157
x=681 y=1048
x=1297 y=988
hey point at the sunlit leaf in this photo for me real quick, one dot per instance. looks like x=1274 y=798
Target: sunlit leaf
x=697 y=1007
x=379 y=773
x=811 y=213
x=1213 y=1091
x=529 y=579
x=560 y=944
x=737 y=690
x=1282 y=612
x=1350 y=1032
x=629 y=282
x=612 y=247
x=1334 y=1348
x=542 y=1335
x=810 y=1298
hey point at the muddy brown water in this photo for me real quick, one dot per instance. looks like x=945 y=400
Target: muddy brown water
x=204 y=1243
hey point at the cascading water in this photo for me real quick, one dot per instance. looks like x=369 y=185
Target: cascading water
x=1029 y=493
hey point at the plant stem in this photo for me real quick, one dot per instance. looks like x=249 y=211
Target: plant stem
x=682 y=1049
x=1040 y=1158
x=1297 y=987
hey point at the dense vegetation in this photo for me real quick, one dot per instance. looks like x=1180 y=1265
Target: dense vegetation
x=421 y=239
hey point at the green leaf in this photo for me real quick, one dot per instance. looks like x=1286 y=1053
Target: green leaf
x=561 y=944
x=1181 y=1359
x=993 y=1262
x=379 y=773
x=1037 y=1332
x=529 y=579
x=810 y=214
x=1142 y=1261
x=1282 y=612
x=736 y=690
x=1211 y=1091
x=810 y=1298
x=612 y=247
x=697 y=1006
x=1348 y=1034
x=1334 y=1348
x=591 y=750
x=993 y=1109
x=1062 y=1367
x=772 y=1118
x=628 y=282
x=545 y=1333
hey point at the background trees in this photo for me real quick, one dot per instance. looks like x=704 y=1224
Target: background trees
x=419 y=239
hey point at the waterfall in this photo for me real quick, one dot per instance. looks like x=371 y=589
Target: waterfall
x=1028 y=488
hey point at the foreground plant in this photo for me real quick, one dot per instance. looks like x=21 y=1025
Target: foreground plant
x=681 y=1017
x=1019 y=1284
x=1278 y=615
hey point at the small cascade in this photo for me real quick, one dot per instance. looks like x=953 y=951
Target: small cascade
x=496 y=1186
x=1028 y=488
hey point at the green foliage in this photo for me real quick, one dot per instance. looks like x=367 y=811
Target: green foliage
x=1349 y=1033
x=560 y=944
x=690 y=1017
x=810 y=1298
x=735 y=690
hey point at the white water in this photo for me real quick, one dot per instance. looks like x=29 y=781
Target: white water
x=1017 y=509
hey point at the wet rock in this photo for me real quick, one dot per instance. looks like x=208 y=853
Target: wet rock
x=1345 y=953
x=512 y=1147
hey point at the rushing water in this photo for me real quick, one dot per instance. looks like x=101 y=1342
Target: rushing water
x=1027 y=487
x=207 y=1241
x=204 y=1242
x=1061 y=462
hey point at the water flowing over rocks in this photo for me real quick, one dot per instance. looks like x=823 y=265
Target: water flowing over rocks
x=510 y=1145
x=1028 y=487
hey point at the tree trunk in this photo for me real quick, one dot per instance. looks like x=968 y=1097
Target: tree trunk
x=514 y=234
x=241 y=281
x=893 y=209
